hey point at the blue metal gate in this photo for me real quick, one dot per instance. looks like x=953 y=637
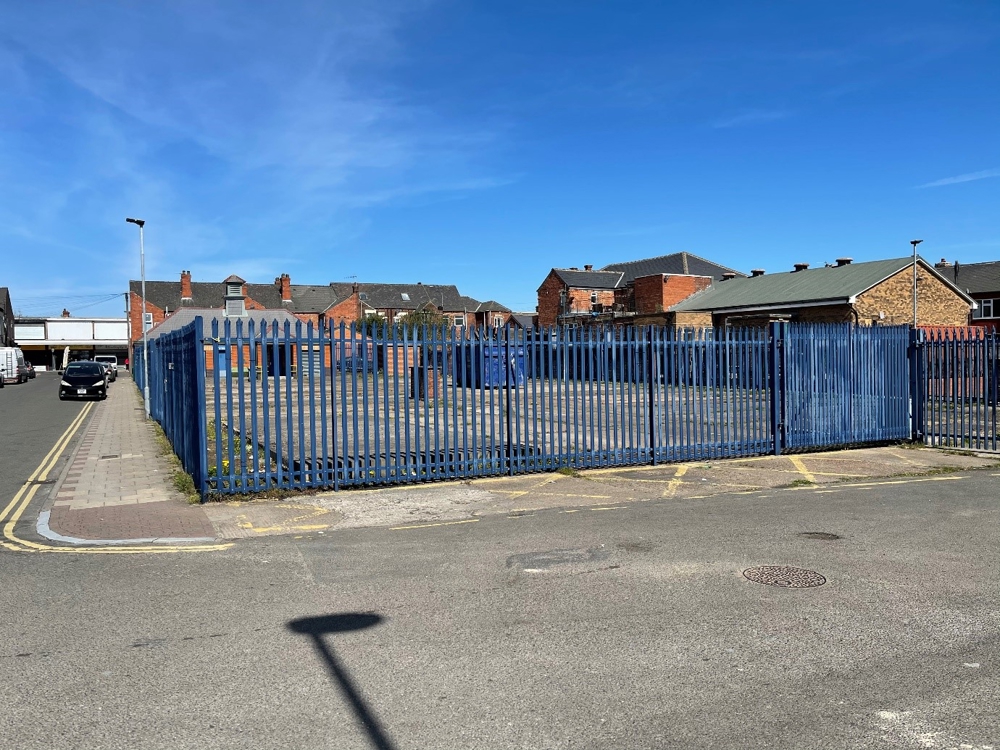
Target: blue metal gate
x=843 y=384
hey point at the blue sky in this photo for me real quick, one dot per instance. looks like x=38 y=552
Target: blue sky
x=483 y=143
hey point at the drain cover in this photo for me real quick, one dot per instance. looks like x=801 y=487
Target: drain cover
x=784 y=576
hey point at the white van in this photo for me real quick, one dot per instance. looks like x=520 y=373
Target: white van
x=12 y=366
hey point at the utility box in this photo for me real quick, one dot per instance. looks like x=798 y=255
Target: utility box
x=490 y=365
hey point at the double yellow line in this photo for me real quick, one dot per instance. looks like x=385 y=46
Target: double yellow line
x=10 y=515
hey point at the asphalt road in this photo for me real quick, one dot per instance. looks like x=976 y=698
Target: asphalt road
x=627 y=627
x=31 y=420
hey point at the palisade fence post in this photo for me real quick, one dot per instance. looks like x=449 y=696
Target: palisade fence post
x=916 y=384
x=200 y=467
x=651 y=393
x=506 y=370
x=776 y=382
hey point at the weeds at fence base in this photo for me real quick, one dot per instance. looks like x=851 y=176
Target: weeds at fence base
x=181 y=480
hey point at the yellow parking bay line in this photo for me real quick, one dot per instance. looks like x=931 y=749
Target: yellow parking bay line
x=430 y=525
x=23 y=498
x=801 y=468
x=676 y=482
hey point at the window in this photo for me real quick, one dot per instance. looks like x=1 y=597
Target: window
x=496 y=321
x=459 y=321
x=234 y=290
x=987 y=308
x=148 y=321
x=405 y=296
x=363 y=296
x=235 y=308
x=593 y=298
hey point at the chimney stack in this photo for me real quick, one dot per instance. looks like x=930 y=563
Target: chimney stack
x=756 y=272
x=801 y=267
x=285 y=285
x=728 y=275
x=186 y=296
x=943 y=264
x=844 y=262
x=588 y=268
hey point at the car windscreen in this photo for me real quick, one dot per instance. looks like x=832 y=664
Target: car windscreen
x=109 y=360
x=85 y=369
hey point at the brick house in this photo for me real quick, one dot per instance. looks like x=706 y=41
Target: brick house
x=337 y=302
x=981 y=281
x=166 y=297
x=873 y=293
x=6 y=318
x=617 y=292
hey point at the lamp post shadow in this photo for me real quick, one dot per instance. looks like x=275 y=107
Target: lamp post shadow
x=316 y=628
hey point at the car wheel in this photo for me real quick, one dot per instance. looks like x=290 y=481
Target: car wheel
x=104 y=394
x=62 y=397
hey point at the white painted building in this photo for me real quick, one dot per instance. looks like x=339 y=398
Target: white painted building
x=50 y=342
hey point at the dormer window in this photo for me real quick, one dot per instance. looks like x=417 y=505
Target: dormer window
x=234 y=290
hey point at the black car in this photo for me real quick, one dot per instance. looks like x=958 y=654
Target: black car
x=83 y=380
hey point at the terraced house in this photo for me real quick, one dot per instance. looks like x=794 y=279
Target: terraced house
x=981 y=281
x=234 y=298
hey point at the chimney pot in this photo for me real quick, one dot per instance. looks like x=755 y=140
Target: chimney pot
x=728 y=275
x=186 y=294
x=588 y=267
x=285 y=285
x=801 y=266
x=573 y=268
x=757 y=272
x=65 y=313
x=844 y=262
x=943 y=264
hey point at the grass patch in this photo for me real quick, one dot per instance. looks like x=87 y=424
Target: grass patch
x=181 y=480
x=801 y=483
x=567 y=471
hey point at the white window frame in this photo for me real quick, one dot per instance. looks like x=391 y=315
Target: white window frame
x=459 y=320
x=147 y=320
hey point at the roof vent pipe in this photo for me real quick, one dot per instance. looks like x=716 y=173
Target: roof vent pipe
x=801 y=267
x=757 y=272
x=844 y=262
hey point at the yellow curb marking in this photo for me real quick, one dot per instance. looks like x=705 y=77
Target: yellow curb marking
x=23 y=498
x=801 y=468
x=676 y=482
x=287 y=526
x=429 y=525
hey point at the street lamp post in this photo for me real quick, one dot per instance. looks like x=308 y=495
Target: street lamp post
x=915 y=243
x=145 y=344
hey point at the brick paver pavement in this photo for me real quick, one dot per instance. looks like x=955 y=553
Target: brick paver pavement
x=117 y=485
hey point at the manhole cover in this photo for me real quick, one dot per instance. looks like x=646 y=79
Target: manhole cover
x=784 y=576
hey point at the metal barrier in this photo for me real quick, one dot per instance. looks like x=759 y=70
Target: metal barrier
x=301 y=407
x=177 y=395
x=959 y=377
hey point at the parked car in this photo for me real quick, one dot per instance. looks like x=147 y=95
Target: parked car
x=83 y=380
x=112 y=360
x=109 y=370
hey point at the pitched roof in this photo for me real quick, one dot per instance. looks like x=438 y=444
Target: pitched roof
x=589 y=279
x=186 y=315
x=833 y=284
x=491 y=306
x=416 y=297
x=167 y=294
x=525 y=320
x=974 y=278
x=676 y=263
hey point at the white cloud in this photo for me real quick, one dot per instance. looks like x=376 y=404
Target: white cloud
x=969 y=177
x=752 y=117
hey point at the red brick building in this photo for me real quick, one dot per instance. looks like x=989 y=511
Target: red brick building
x=620 y=291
